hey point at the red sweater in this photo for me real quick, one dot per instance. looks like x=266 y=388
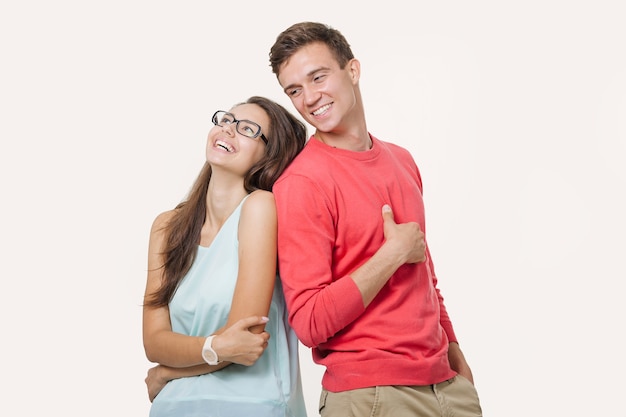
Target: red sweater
x=329 y=205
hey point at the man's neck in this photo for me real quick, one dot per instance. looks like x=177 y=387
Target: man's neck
x=348 y=142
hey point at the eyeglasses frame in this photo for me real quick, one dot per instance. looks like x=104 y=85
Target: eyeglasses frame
x=236 y=123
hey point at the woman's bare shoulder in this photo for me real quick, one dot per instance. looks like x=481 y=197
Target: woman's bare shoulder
x=259 y=205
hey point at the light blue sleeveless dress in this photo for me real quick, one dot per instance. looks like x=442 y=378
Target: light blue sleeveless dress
x=269 y=388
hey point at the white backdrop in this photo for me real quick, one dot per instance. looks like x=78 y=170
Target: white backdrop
x=516 y=115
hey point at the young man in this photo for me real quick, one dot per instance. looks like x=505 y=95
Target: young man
x=360 y=286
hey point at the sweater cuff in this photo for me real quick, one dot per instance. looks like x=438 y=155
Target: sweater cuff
x=349 y=298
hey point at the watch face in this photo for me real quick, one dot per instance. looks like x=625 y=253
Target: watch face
x=208 y=353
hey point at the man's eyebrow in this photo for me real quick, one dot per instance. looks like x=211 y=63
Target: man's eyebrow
x=289 y=87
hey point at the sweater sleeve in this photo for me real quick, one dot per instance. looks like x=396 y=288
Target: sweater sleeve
x=444 y=318
x=445 y=321
x=319 y=305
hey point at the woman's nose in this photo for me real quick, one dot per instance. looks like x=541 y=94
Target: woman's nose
x=229 y=128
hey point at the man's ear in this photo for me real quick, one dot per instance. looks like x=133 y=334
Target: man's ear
x=354 y=67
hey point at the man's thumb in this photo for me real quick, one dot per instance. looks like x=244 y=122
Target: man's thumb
x=387 y=213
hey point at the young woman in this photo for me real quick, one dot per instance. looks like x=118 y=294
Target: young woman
x=214 y=316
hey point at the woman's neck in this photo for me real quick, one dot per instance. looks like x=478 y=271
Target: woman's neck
x=224 y=194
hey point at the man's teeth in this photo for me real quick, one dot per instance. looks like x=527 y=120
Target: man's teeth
x=321 y=110
x=224 y=145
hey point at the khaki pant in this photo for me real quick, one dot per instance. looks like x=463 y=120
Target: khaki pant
x=456 y=397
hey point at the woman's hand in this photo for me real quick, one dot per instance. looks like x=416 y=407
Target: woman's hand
x=237 y=344
x=155 y=381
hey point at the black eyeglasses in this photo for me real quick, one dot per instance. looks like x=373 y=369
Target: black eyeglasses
x=243 y=127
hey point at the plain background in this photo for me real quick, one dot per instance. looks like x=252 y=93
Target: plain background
x=514 y=111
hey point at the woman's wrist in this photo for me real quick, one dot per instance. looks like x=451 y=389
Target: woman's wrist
x=209 y=354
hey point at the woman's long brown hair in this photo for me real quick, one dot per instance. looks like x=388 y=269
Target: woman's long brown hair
x=286 y=138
